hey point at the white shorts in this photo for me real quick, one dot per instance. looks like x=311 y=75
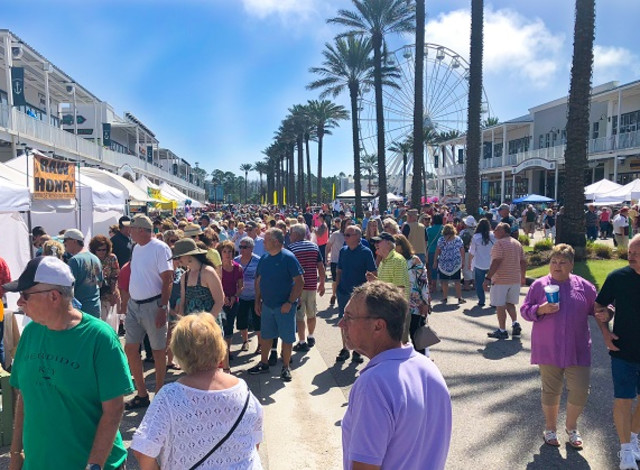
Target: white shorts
x=502 y=294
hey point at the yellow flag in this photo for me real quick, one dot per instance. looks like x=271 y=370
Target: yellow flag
x=333 y=196
x=275 y=197
x=284 y=196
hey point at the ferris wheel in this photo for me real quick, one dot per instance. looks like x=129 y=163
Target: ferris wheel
x=446 y=89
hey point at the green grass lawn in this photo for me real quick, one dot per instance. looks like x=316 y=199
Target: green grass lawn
x=592 y=270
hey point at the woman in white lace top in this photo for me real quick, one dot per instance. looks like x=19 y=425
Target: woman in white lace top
x=188 y=418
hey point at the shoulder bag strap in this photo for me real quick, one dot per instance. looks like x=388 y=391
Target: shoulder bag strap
x=224 y=439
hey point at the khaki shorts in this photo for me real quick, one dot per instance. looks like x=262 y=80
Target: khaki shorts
x=307 y=305
x=502 y=294
x=141 y=320
x=577 y=384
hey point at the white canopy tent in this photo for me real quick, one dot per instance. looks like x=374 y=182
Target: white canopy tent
x=134 y=193
x=351 y=193
x=178 y=195
x=628 y=192
x=599 y=188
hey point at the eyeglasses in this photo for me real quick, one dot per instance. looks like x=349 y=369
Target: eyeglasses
x=348 y=235
x=244 y=247
x=27 y=295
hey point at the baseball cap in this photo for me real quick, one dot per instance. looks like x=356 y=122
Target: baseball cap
x=124 y=221
x=384 y=236
x=141 y=221
x=73 y=234
x=470 y=221
x=45 y=270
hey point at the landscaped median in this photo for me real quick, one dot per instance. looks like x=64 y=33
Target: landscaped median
x=593 y=270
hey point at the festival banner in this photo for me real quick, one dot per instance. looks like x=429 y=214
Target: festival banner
x=53 y=179
x=275 y=198
x=17 y=86
x=284 y=196
x=333 y=194
x=106 y=134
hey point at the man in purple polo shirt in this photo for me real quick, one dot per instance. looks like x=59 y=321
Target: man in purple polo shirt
x=399 y=414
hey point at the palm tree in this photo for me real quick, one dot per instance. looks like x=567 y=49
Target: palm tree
x=572 y=222
x=262 y=167
x=287 y=138
x=347 y=65
x=404 y=149
x=418 y=112
x=246 y=167
x=474 y=133
x=490 y=121
x=369 y=163
x=324 y=115
x=299 y=122
x=375 y=18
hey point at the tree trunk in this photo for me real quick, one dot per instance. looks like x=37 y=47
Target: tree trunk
x=300 y=186
x=573 y=228
x=291 y=190
x=404 y=174
x=309 y=198
x=320 y=138
x=357 y=185
x=382 y=163
x=418 y=110
x=474 y=133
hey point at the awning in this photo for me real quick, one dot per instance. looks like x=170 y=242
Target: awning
x=351 y=193
x=132 y=192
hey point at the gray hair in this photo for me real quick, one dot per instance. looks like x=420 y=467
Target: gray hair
x=356 y=229
x=248 y=241
x=386 y=301
x=276 y=234
x=65 y=291
x=300 y=230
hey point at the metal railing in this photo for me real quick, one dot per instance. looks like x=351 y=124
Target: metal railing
x=58 y=139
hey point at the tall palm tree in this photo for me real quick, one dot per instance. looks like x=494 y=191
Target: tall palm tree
x=376 y=18
x=405 y=148
x=262 y=167
x=418 y=111
x=324 y=115
x=369 y=163
x=246 y=167
x=287 y=137
x=299 y=121
x=474 y=133
x=347 y=65
x=572 y=230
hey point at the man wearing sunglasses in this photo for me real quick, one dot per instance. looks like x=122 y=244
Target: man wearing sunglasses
x=71 y=374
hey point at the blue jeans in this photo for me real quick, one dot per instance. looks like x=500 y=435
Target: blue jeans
x=478 y=279
x=592 y=233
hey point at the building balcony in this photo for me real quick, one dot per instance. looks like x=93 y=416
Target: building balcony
x=43 y=135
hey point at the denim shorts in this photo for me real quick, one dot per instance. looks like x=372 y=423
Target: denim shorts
x=275 y=324
x=626 y=378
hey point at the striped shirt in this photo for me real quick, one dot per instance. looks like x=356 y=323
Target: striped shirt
x=510 y=252
x=308 y=256
x=393 y=269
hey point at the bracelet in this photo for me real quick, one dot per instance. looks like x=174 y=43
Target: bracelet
x=14 y=452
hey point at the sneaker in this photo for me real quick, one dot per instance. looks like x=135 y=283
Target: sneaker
x=273 y=357
x=311 y=341
x=285 y=375
x=261 y=368
x=498 y=334
x=636 y=449
x=343 y=355
x=516 y=330
x=627 y=460
x=301 y=347
x=357 y=358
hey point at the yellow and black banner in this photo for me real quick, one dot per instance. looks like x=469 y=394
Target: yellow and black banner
x=53 y=179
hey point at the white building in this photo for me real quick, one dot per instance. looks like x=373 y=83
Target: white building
x=65 y=120
x=535 y=143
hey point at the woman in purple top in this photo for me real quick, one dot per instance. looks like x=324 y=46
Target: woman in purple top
x=561 y=341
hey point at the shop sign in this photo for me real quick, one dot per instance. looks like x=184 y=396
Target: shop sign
x=534 y=163
x=53 y=179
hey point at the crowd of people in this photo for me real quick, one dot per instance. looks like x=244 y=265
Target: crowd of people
x=183 y=288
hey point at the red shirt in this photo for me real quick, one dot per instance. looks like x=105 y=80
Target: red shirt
x=5 y=275
x=124 y=277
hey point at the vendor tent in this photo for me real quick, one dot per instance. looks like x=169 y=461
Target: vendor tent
x=533 y=199
x=178 y=195
x=153 y=190
x=351 y=193
x=599 y=188
x=132 y=192
x=628 y=192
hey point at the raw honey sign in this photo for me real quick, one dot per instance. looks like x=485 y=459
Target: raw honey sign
x=53 y=179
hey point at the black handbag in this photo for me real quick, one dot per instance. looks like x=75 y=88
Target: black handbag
x=223 y=440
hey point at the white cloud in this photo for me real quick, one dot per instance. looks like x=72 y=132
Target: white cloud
x=264 y=8
x=613 y=63
x=514 y=45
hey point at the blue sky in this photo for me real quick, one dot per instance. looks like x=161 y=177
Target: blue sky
x=214 y=78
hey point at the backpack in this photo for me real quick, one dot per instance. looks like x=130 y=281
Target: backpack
x=466 y=235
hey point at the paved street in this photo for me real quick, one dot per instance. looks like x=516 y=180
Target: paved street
x=496 y=400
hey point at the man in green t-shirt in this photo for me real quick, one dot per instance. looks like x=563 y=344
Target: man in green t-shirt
x=71 y=375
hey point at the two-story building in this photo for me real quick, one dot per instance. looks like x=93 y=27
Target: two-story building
x=526 y=155
x=43 y=107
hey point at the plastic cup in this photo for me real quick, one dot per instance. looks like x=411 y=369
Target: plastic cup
x=553 y=294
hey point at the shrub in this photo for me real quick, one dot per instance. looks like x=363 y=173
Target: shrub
x=622 y=253
x=523 y=239
x=543 y=245
x=602 y=251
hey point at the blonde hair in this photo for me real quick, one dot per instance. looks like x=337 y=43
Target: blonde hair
x=564 y=251
x=53 y=248
x=449 y=229
x=197 y=343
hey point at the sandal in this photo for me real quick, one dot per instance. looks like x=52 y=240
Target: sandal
x=444 y=301
x=245 y=346
x=173 y=366
x=137 y=402
x=575 y=439
x=551 y=438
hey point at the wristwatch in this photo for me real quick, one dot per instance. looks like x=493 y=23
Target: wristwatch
x=164 y=307
x=93 y=466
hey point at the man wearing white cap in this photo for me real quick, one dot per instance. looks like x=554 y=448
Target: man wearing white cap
x=87 y=270
x=71 y=375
